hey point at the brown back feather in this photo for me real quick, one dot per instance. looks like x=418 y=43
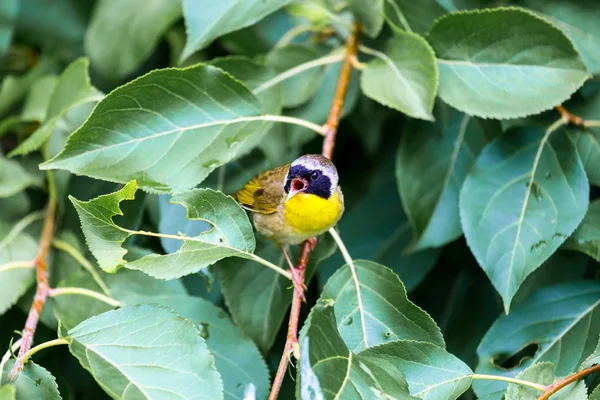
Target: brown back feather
x=264 y=193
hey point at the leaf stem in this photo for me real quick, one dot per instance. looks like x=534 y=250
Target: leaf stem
x=15 y=346
x=42 y=346
x=22 y=225
x=555 y=387
x=84 y=292
x=246 y=254
x=269 y=264
x=400 y=16
x=293 y=33
x=521 y=382
x=335 y=112
x=293 y=121
x=77 y=256
x=591 y=124
x=329 y=59
x=16 y=265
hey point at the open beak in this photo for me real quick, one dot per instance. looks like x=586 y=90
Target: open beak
x=297 y=186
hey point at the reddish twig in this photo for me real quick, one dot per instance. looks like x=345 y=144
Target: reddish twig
x=292 y=335
x=569 y=117
x=291 y=343
x=42 y=291
x=555 y=387
x=340 y=93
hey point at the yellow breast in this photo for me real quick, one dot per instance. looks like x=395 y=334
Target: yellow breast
x=311 y=214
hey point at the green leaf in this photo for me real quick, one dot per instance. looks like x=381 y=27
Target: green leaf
x=592 y=360
x=412 y=16
x=205 y=21
x=34 y=382
x=543 y=374
x=146 y=352
x=389 y=232
x=136 y=26
x=317 y=110
x=126 y=287
x=72 y=310
x=59 y=28
x=15 y=279
x=595 y=394
x=587 y=142
x=526 y=193
x=432 y=163
x=14 y=88
x=330 y=371
x=369 y=14
x=171 y=126
x=432 y=373
x=586 y=237
x=231 y=233
x=65 y=126
x=14 y=178
x=404 y=76
x=562 y=266
x=173 y=220
x=504 y=63
x=253 y=75
x=103 y=237
x=236 y=357
x=8 y=392
x=38 y=99
x=300 y=88
x=564 y=316
x=257 y=297
x=577 y=19
x=8 y=15
x=372 y=308
x=73 y=89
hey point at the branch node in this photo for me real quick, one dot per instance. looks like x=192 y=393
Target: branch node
x=570 y=118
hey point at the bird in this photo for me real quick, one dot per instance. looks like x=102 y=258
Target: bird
x=294 y=203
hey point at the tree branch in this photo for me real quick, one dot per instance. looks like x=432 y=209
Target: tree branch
x=291 y=344
x=569 y=117
x=555 y=387
x=43 y=288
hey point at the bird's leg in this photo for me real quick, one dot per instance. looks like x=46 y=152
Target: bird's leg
x=312 y=242
x=297 y=278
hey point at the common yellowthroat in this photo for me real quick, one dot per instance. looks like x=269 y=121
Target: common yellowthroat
x=294 y=202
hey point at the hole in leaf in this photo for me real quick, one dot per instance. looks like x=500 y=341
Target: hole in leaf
x=204 y=330
x=511 y=361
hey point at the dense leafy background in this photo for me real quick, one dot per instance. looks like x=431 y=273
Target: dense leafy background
x=472 y=210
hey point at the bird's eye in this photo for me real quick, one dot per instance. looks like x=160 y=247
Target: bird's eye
x=315 y=176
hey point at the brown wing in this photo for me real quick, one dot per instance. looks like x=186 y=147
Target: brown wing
x=264 y=192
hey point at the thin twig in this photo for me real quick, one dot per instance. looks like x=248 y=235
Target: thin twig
x=84 y=292
x=291 y=343
x=516 y=381
x=555 y=387
x=15 y=346
x=569 y=117
x=42 y=346
x=337 y=105
x=77 y=256
x=43 y=288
